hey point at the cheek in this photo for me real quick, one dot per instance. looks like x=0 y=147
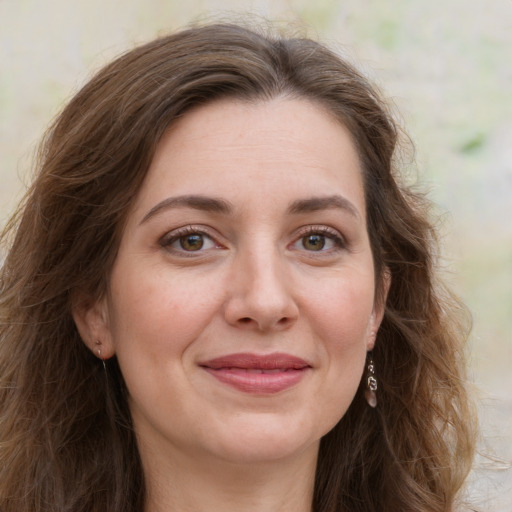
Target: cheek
x=344 y=329
x=341 y=322
x=342 y=310
x=158 y=313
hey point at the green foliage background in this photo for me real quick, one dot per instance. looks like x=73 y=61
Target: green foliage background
x=445 y=65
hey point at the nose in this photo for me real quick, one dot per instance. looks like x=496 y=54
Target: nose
x=260 y=293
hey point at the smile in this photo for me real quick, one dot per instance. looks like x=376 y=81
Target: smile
x=257 y=374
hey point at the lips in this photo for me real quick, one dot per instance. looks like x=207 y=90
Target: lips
x=260 y=374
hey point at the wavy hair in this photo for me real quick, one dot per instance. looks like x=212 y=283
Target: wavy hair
x=68 y=445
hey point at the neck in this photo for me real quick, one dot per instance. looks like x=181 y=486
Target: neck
x=185 y=484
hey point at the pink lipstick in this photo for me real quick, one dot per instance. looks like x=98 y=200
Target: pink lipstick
x=259 y=374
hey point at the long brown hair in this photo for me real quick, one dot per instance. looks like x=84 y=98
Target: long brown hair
x=66 y=440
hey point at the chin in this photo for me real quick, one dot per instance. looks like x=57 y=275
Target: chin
x=264 y=451
x=259 y=444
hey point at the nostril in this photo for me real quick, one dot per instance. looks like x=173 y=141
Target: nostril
x=245 y=320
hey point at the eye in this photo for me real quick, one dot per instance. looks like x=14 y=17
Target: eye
x=194 y=242
x=315 y=242
x=319 y=239
x=187 y=240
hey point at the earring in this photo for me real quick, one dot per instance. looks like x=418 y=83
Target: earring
x=98 y=351
x=371 y=383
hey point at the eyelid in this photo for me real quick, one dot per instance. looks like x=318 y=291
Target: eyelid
x=172 y=236
x=327 y=231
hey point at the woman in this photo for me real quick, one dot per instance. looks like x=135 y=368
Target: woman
x=219 y=296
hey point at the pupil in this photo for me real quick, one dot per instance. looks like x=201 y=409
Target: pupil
x=191 y=242
x=314 y=242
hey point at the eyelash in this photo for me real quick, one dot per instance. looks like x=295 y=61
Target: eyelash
x=324 y=231
x=174 y=236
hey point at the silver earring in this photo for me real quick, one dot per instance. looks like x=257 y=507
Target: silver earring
x=371 y=383
x=98 y=351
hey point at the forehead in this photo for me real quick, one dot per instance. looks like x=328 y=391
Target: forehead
x=253 y=150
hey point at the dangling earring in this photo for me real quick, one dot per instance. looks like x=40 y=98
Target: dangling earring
x=98 y=351
x=371 y=383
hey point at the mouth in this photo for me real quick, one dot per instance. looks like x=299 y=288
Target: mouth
x=258 y=374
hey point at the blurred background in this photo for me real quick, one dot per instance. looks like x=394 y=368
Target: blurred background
x=446 y=65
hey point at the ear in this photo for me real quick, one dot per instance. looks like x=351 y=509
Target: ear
x=92 y=321
x=379 y=307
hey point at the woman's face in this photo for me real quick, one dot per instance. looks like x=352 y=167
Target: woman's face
x=241 y=303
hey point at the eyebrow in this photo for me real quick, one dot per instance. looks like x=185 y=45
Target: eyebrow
x=215 y=205
x=324 y=203
x=197 y=202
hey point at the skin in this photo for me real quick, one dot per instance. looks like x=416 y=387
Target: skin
x=275 y=273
